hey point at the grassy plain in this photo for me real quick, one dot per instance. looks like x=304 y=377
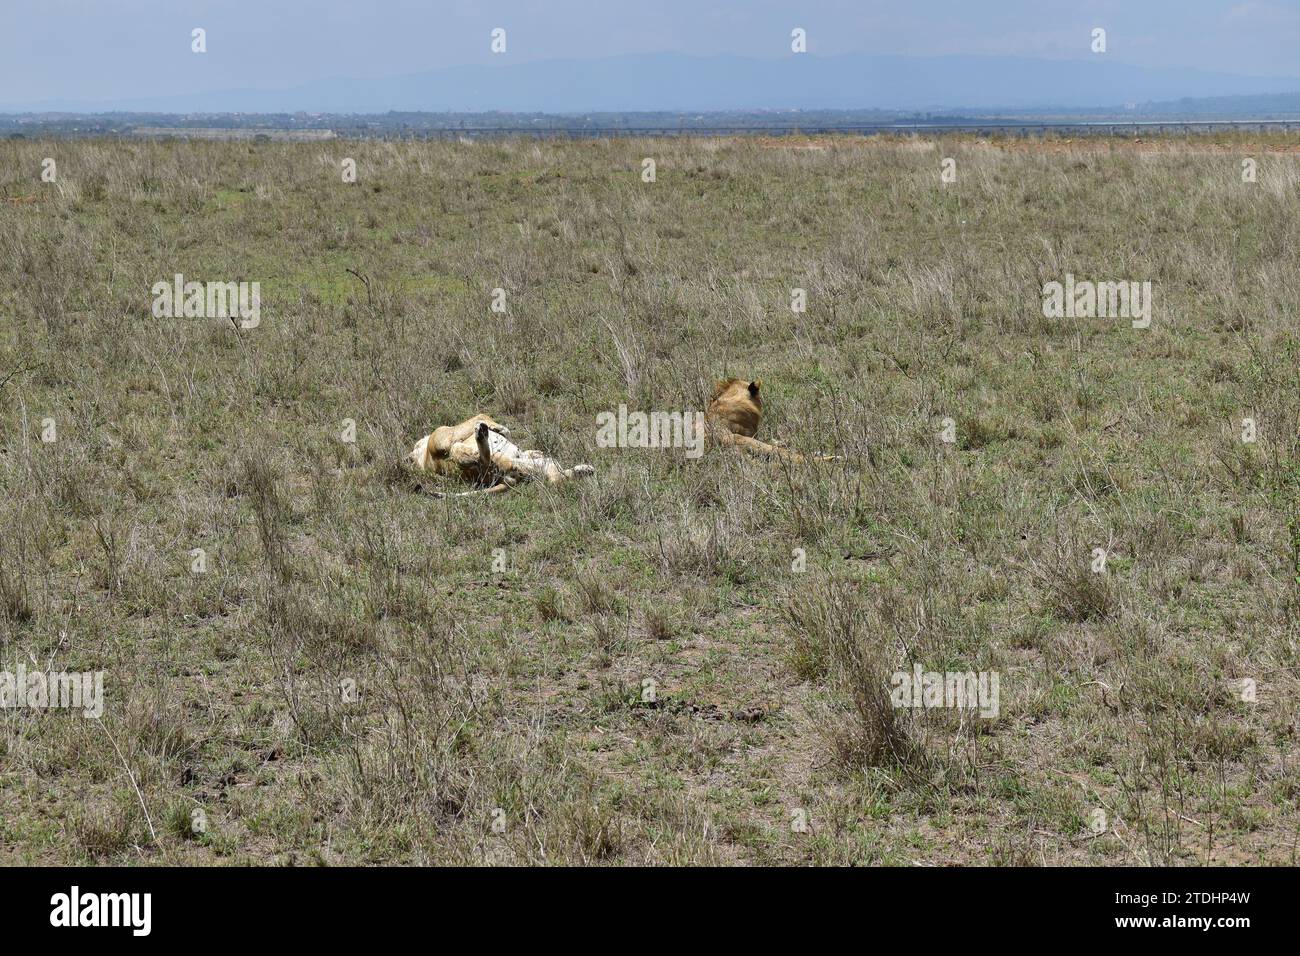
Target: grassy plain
x=501 y=714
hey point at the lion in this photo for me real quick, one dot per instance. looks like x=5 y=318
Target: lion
x=733 y=415
x=479 y=452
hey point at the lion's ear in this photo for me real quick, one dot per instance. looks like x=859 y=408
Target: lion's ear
x=754 y=386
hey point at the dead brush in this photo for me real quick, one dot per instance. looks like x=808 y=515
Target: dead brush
x=260 y=484
x=590 y=832
x=1074 y=591
x=111 y=530
x=707 y=545
x=832 y=638
x=103 y=833
x=595 y=594
x=1161 y=802
x=15 y=598
x=410 y=750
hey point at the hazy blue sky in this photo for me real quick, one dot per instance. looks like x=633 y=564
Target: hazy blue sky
x=51 y=49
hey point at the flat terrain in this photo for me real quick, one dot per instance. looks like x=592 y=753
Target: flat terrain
x=678 y=661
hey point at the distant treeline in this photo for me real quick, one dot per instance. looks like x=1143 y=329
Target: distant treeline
x=418 y=125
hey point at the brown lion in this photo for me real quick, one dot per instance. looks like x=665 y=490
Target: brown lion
x=733 y=415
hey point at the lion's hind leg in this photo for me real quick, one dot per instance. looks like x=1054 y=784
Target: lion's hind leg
x=443 y=438
x=757 y=447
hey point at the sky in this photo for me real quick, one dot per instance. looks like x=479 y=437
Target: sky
x=106 y=49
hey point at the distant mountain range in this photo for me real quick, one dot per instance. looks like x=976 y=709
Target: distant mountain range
x=675 y=82
x=1264 y=106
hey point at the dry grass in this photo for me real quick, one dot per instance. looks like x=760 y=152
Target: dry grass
x=650 y=679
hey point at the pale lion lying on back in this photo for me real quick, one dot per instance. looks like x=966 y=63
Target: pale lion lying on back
x=478 y=452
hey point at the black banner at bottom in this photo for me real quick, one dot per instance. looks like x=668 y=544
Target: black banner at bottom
x=338 y=906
